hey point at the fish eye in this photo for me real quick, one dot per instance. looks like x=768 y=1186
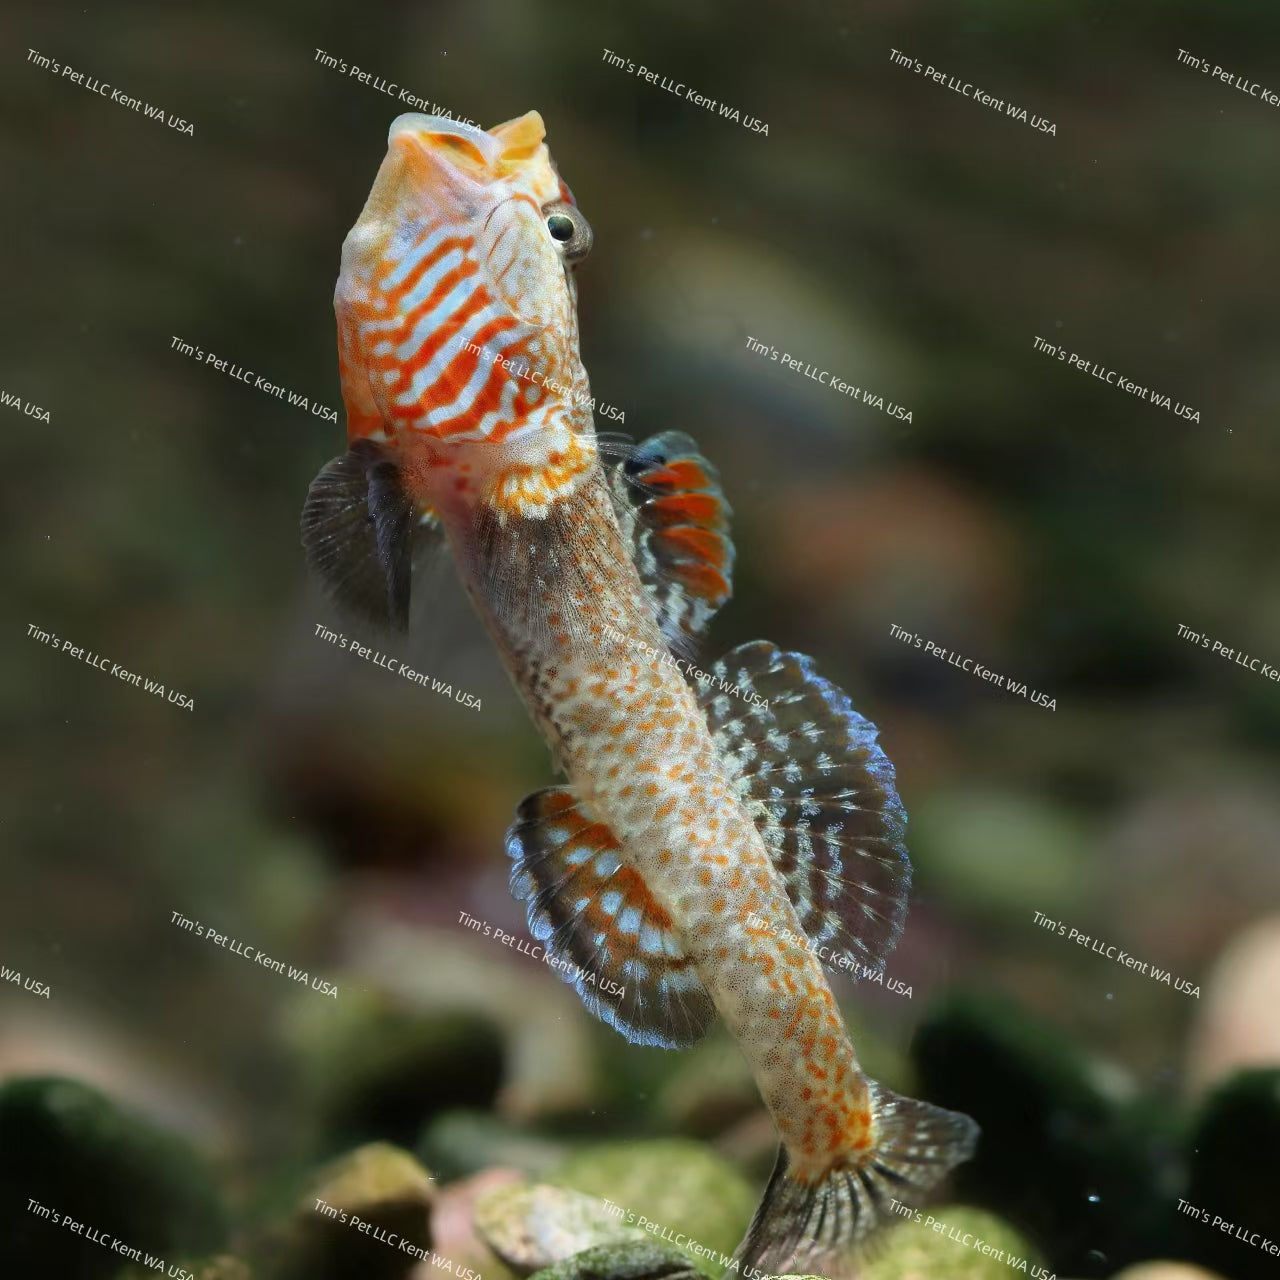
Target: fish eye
x=570 y=232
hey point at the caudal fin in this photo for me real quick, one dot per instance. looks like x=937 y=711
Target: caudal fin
x=817 y=1228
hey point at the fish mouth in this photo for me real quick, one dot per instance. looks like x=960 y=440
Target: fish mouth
x=478 y=154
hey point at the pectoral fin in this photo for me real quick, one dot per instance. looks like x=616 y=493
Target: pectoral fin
x=358 y=533
x=603 y=931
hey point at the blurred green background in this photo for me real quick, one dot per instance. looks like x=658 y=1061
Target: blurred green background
x=1029 y=516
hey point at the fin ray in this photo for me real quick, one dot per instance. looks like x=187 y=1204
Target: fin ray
x=823 y=795
x=358 y=533
x=604 y=931
x=675 y=517
x=917 y=1146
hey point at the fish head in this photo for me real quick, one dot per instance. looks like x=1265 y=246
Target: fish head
x=457 y=311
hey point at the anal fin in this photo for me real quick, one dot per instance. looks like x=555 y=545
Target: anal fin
x=604 y=932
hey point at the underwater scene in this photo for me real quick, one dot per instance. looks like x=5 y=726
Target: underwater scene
x=643 y=641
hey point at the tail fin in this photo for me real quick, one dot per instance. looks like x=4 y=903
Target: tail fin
x=816 y=1228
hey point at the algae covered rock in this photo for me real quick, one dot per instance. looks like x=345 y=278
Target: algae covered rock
x=708 y=1090
x=82 y=1181
x=373 y=1070
x=641 y=1260
x=976 y=843
x=537 y=1044
x=223 y=1268
x=533 y=1225
x=454 y=1233
x=953 y=1241
x=675 y=1189
x=460 y=1143
x=1237 y=1022
x=1066 y=1149
x=367 y=1214
x=1235 y=1179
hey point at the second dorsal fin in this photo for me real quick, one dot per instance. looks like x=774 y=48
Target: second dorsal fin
x=671 y=507
x=822 y=793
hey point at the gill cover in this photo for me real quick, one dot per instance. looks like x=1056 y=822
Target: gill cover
x=451 y=247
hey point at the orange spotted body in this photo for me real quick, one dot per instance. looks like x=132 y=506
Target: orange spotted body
x=709 y=820
x=631 y=737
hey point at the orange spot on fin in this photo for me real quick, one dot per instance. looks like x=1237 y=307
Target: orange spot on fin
x=675 y=514
x=603 y=929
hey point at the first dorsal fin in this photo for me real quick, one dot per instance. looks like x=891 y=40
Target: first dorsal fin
x=603 y=931
x=673 y=511
x=357 y=530
x=822 y=793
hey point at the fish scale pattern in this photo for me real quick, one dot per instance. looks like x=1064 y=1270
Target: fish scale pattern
x=570 y=616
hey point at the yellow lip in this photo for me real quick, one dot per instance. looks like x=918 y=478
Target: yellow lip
x=519 y=138
x=492 y=153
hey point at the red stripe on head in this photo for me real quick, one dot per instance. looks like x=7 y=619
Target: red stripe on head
x=394 y=296
x=406 y=369
x=442 y=290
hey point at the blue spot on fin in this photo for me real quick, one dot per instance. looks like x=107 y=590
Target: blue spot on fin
x=590 y=913
x=823 y=795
